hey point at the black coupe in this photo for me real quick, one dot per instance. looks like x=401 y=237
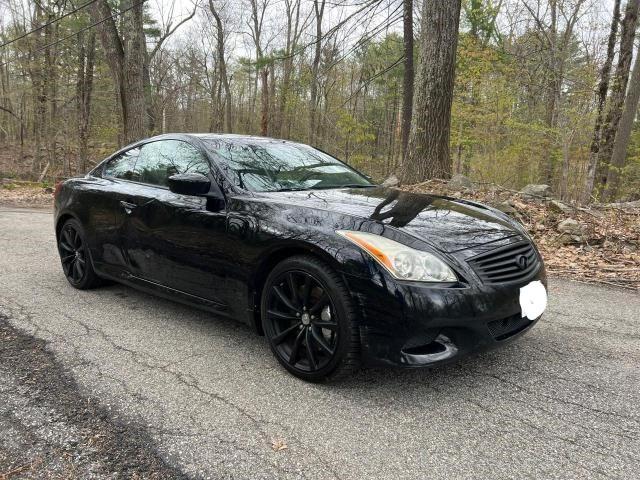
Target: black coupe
x=334 y=270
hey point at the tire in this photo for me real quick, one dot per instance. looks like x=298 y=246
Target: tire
x=305 y=303
x=75 y=256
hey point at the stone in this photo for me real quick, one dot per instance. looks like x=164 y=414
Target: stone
x=559 y=207
x=571 y=227
x=623 y=205
x=392 y=181
x=459 y=181
x=507 y=207
x=568 y=239
x=536 y=191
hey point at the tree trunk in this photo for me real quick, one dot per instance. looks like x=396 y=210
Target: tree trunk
x=84 y=89
x=125 y=56
x=407 y=80
x=264 y=118
x=566 y=152
x=618 y=89
x=318 y=7
x=150 y=118
x=228 y=124
x=552 y=95
x=623 y=134
x=50 y=89
x=134 y=61
x=603 y=90
x=293 y=23
x=428 y=150
x=39 y=94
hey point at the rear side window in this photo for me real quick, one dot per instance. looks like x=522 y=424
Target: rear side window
x=159 y=160
x=122 y=166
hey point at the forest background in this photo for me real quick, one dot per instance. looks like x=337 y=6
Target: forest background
x=545 y=91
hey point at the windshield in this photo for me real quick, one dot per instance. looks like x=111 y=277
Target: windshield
x=271 y=166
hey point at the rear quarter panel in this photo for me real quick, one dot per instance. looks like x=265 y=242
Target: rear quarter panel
x=86 y=199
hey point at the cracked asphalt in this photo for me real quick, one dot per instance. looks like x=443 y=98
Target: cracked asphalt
x=563 y=402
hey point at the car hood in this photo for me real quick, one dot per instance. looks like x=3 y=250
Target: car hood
x=446 y=223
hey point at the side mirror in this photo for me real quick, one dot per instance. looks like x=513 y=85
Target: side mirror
x=189 y=184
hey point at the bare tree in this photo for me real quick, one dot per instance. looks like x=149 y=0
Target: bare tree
x=555 y=27
x=294 y=29
x=263 y=64
x=428 y=154
x=603 y=90
x=167 y=29
x=84 y=89
x=318 y=8
x=619 y=153
x=224 y=78
x=618 y=89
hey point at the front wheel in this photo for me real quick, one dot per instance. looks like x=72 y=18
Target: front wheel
x=308 y=318
x=74 y=256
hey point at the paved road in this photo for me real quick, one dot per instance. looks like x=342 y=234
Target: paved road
x=563 y=402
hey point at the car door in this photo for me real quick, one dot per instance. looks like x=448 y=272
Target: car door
x=175 y=240
x=107 y=214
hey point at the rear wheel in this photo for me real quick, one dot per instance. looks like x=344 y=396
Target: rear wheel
x=309 y=321
x=74 y=255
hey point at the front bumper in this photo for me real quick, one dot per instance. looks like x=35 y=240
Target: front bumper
x=414 y=324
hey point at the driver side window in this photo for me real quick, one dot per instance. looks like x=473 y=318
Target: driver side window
x=159 y=160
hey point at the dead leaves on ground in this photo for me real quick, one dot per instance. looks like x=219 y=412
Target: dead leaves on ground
x=26 y=195
x=278 y=444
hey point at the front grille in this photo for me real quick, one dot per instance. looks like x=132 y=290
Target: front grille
x=503 y=329
x=511 y=263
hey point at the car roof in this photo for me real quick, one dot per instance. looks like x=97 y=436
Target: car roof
x=239 y=138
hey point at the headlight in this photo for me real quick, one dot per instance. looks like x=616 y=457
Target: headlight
x=404 y=263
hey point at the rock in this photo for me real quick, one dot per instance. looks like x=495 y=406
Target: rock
x=559 y=207
x=568 y=239
x=392 y=181
x=507 y=207
x=460 y=181
x=571 y=227
x=572 y=232
x=48 y=190
x=623 y=205
x=536 y=191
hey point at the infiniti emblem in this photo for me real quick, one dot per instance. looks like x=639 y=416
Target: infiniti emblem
x=522 y=262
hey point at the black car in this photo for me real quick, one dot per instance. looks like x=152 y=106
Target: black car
x=334 y=270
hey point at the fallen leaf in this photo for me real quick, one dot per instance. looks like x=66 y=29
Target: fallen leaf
x=278 y=444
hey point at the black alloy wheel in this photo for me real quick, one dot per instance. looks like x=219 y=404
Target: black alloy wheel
x=74 y=256
x=308 y=320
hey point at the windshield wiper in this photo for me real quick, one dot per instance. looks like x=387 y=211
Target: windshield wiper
x=349 y=185
x=289 y=189
x=327 y=187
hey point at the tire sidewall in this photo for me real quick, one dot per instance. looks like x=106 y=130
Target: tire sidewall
x=88 y=276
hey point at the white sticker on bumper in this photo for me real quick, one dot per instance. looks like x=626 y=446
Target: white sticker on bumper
x=533 y=300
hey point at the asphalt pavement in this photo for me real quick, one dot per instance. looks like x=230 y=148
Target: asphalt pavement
x=562 y=402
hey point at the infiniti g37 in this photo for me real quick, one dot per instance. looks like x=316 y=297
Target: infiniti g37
x=335 y=271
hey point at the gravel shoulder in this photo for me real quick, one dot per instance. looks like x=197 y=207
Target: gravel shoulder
x=205 y=398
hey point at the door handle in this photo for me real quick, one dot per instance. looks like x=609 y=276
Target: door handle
x=128 y=207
